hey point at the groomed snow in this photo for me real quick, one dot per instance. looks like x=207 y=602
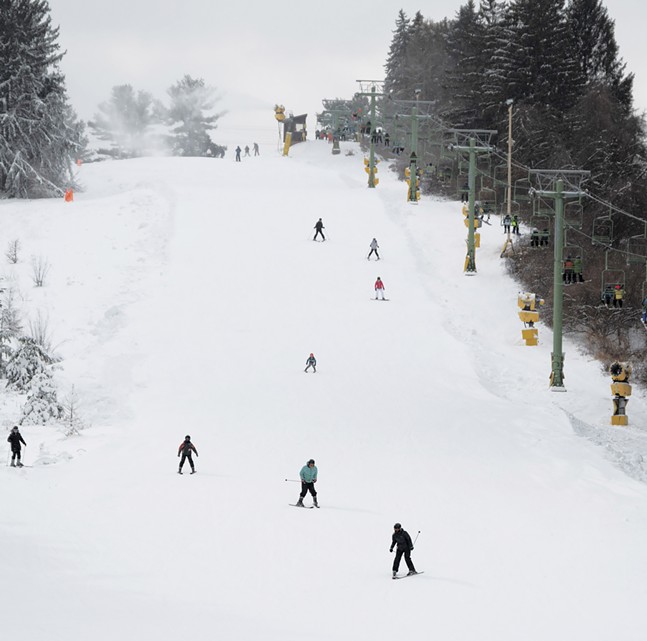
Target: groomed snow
x=184 y=296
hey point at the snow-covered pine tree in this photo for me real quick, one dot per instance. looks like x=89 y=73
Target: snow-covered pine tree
x=29 y=359
x=189 y=117
x=40 y=136
x=71 y=418
x=125 y=121
x=10 y=329
x=42 y=405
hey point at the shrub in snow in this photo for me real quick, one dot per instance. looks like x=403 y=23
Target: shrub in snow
x=42 y=405
x=39 y=270
x=12 y=251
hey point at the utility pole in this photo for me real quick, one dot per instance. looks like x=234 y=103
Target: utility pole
x=558 y=184
x=478 y=141
x=508 y=240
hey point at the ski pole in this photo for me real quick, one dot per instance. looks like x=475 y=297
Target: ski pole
x=293 y=480
x=417 y=535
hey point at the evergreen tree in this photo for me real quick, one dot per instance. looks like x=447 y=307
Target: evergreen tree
x=592 y=35
x=532 y=64
x=125 y=121
x=466 y=71
x=396 y=60
x=10 y=329
x=40 y=136
x=42 y=405
x=28 y=360
x=191 y=100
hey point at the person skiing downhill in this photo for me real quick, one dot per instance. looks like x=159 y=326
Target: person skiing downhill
x=379 y=289
x=311 y=361
x=185 y=450
x=374 y=247
x=402 y=540
x=308 y=476
x=319 y=226
x=15 y=438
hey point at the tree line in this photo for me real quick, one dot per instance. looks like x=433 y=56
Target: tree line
x=558 y=63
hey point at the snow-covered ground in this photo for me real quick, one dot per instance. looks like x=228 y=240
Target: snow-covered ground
x=184 y=296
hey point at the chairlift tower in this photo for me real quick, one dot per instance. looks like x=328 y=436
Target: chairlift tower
x=560 y=185
x=376 y=89
x=472 y=141
x=413 y=194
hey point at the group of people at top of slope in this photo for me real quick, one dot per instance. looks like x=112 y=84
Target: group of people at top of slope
x=238 y=151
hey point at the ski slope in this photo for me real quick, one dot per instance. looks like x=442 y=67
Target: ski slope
x=184 y=296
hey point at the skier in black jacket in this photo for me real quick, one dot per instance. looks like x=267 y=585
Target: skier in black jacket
x=402 y=539
x=319 y=226
x=185 y=450
x=15 y=438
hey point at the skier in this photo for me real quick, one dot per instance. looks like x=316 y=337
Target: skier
x=506 y=222
x=15 y=438
x=319 y=226
x=308 y=477
x=247 y=150
x=311 y=361
x=402 y=540
x=185 y=449
x=374 y=247
x=256 y=150
x=379 y=289
x=238 y=150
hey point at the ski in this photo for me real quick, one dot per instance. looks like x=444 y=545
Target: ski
x=380 y=299
x=406 y=576
x=307 y=507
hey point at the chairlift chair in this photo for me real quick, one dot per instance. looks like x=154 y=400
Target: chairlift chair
x=602 y=231
x=573 y=214
x=637 y=250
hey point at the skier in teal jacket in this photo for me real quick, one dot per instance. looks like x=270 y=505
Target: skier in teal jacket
x=308 y=477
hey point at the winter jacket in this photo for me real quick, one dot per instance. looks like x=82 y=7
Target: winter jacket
x=187 y=445
x=402 y=539
x=311 y=360
x=319 y=226
x=379 y=284
x=308 y=474
x=374 y=244
x=15 y=438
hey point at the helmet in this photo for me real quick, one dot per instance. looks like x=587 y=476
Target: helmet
x=618 y=287
x=397 y=526
x=311 y=461
x=15 y=428
x=311 y=354
x=187 y=438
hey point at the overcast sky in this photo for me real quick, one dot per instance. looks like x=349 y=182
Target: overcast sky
x=258 y=52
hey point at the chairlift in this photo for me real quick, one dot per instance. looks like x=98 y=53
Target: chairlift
x=637 y=250
x=540 y=234
x=610 y=279
x=573 y=254
x=542 y=207
x=521 y=190
x=602 y=230
x=573 y=215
